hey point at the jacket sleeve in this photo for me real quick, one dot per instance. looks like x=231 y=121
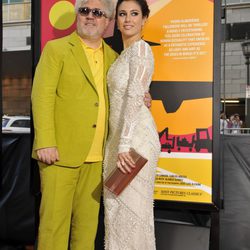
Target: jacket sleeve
x=43 y=95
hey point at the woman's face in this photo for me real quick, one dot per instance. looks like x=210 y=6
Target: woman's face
x=130 y=20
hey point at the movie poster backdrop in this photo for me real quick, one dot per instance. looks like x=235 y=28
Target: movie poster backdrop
x=181 y=35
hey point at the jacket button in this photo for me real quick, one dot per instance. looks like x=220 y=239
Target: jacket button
x=94 y=126
x=96 y=104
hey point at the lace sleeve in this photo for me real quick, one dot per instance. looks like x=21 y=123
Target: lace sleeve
x=141 y=64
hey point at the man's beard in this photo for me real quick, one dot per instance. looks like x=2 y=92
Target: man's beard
x=87 y=33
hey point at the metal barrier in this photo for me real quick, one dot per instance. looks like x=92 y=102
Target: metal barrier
x=236 y=131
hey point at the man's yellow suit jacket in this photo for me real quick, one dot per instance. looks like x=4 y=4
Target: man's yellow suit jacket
x=65 y=99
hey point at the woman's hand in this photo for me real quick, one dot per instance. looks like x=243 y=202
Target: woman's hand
x=125 y=162
x=147 y=99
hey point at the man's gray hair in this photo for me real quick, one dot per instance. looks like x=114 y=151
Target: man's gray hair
x=108 y=6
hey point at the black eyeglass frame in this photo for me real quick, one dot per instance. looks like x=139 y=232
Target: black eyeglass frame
x=97 y=13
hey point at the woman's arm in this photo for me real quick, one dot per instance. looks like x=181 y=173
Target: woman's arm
x=141 y=65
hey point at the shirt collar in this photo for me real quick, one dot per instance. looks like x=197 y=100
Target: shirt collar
x=85 y=46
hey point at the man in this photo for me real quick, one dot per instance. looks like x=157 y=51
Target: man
x=70 y=111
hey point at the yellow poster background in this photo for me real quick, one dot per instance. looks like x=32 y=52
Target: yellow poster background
x=181 y=33
x=192 y=23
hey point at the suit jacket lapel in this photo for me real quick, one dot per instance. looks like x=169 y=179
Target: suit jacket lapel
x=106 y=65
x=107 y=61
x=81 y=58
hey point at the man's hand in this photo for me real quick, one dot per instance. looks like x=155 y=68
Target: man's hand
x=147 y=99
x=125 y=162
x=48 y=155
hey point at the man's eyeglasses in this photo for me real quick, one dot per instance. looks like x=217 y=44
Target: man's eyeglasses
x=84 y=11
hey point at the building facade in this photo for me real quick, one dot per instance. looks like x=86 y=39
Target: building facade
x=235 y=30
x=17 y=59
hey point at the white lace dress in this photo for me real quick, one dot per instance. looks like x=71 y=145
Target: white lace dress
x=129 y=221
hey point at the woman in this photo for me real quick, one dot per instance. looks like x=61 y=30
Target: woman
x=129 y=222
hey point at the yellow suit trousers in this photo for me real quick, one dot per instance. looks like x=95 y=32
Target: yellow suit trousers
x=69 y=206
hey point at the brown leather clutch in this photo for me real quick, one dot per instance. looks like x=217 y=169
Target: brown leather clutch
x=117 y=181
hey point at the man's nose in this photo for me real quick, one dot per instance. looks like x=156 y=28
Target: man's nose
x=90 y=16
